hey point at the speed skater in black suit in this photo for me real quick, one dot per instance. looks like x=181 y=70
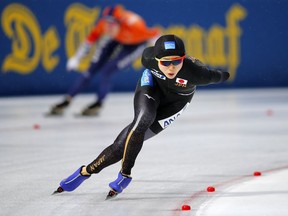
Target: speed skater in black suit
x=162 y=93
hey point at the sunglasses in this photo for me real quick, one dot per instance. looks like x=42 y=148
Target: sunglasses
x=173 y=61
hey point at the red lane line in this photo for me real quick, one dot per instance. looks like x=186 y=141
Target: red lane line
x=197 y=195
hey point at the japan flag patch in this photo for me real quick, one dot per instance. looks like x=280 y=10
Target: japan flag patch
x=181 y=81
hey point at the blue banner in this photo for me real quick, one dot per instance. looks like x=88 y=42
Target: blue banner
x=247 y=38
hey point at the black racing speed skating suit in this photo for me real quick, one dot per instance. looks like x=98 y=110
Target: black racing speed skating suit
x=158 y=101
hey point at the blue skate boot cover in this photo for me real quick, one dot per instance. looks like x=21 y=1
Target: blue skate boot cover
x=120 y=183
x=73 y=181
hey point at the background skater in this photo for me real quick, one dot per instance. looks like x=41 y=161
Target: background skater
x=121 y=37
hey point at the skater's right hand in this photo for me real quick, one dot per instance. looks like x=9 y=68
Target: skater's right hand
x=72 y=64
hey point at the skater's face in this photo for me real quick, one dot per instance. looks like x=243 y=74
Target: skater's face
x=112 y=27
x=170 y=65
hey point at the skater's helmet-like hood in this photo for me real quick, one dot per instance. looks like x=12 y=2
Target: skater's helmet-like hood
x=169 y=45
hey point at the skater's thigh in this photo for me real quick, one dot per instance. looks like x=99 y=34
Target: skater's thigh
x=146 y=102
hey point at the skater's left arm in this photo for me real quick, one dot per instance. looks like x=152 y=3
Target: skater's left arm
x=203 y=75
x=85 y=47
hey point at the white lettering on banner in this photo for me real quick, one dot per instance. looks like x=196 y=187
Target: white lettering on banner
x=167 y=121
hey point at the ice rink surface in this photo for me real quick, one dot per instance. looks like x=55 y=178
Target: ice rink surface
x=221 y=139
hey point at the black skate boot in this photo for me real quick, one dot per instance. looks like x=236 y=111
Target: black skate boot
x=93 y=109
x=58 y=109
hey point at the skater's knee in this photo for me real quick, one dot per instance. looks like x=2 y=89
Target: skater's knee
x=143 y=125
x=147 y=118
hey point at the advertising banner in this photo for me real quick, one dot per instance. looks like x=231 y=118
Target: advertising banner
x=247 y=38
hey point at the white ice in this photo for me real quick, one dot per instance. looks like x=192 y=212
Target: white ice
x=220 y=140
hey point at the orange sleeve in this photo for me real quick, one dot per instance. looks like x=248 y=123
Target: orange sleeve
x=143 y=33
x=135 y=31
x=96 y=32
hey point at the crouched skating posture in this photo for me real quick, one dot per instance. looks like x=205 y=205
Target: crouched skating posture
x=163 y=92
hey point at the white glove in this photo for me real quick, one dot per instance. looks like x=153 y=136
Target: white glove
x=72 y=64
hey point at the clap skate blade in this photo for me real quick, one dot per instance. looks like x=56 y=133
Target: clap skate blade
x=59 y=190
x=112 y=194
